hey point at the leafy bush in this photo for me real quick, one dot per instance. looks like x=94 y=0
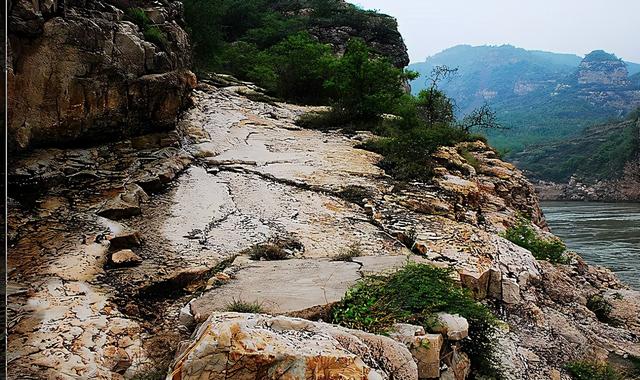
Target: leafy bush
x=588 y=370
x=602 y=309
x=523 y=234
x=239 y=306
x=137 y=16
x=414 y=294
x=408 y=156
x=156 y=36
x=363 y=87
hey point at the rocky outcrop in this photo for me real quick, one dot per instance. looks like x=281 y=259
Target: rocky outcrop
x=82 y=71
x=344 y=21
x=601 y=68
x=239 y=173
x=243 y=346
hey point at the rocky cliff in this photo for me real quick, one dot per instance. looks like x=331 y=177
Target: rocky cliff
x=118 y=252
x=84 y=71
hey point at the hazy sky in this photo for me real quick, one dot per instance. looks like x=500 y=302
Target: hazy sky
x=564 y=26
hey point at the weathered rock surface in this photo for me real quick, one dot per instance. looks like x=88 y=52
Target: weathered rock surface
x=244 y=345
x=79 y=71
x=256 y=177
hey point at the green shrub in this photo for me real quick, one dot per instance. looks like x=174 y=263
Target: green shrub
x=240 y=306
x=408 y=156
x=414 y=294
x=138 y=17
x=523 y=234
x=155 y=35
x=589 y=370
x=602 y=309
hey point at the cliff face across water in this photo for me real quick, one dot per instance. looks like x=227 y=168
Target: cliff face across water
x=119 y=251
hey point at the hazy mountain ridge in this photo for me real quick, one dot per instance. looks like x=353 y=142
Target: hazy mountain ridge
x=544 y=98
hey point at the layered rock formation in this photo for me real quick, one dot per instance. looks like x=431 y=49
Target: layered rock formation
x=84 y=72
x=187 y=207
x=344 y=22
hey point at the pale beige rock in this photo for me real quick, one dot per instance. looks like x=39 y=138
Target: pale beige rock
x=288 y=348
x=453 y=326
x=425 y=348
x=125 y=257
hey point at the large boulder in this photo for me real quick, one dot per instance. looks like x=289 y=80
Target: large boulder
x=79 y=71
x=250 y=346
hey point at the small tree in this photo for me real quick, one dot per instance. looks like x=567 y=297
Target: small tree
x=363 y=87
x=483 y=118
x=432 y=105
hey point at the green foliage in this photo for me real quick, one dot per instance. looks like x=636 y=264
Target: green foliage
x=137 y=16
x=414 y=294
x=407 y=156
x=589 y=370
x=267 y=41
x=240 y=306
x=523 y=234
x=602 y=309
x=156 y=36
x=470 y=158
x=151 y=33
x=363 y=87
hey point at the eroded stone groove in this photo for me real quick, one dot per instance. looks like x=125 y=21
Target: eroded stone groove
x=240 y=173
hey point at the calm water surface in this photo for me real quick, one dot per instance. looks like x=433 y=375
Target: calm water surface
x=605 y=234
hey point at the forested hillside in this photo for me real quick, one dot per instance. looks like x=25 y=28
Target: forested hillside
x=541 y=98
x=601 y=152
x=286 y=46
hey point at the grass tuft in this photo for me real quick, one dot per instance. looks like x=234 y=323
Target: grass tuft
x=348 y=254
x=240 y=306
x=274 y=249
x=590 y=370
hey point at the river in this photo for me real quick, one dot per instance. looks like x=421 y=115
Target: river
x=605 y=234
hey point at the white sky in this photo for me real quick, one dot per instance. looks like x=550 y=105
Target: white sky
x=563 y=26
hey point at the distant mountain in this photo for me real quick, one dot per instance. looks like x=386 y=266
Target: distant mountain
x=542 y=97
x=599 y=153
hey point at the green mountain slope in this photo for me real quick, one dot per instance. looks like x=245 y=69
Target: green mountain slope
x=599 y=153
x=541 y=97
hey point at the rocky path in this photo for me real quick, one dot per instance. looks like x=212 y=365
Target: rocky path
x=240 y=173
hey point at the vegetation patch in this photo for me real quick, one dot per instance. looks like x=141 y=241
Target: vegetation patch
x=470 y=158
x=414 y=294
x=590 y=370
x=524 y=235
x=150 y=32
x=348 y=254
x=602 y=309
x=355 y=194
x=240 y=306
x=274 y=249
